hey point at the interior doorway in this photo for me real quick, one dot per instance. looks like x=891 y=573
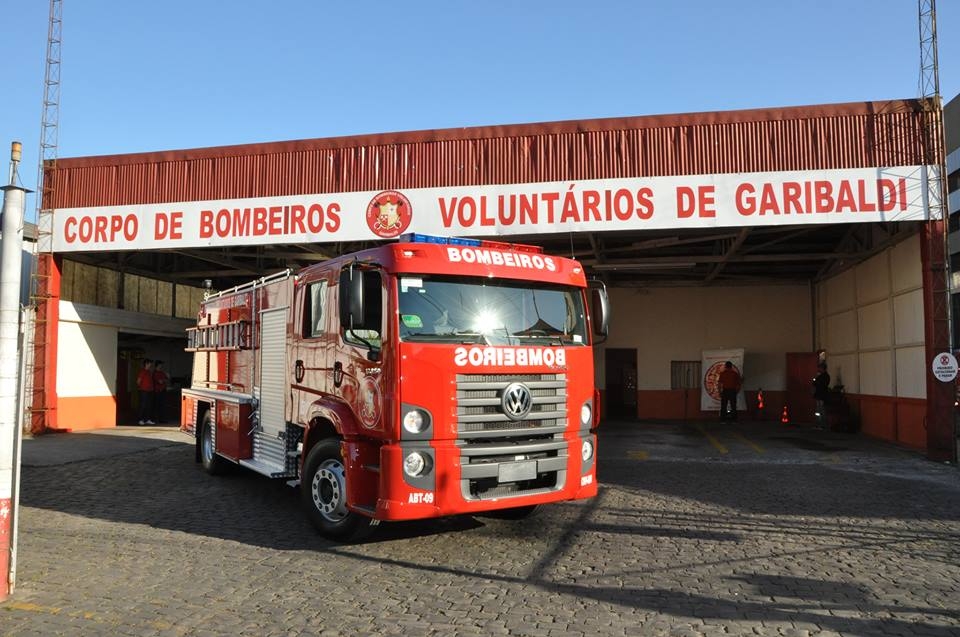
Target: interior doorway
x=132 y=350
x=801 y=368
x=621 y=375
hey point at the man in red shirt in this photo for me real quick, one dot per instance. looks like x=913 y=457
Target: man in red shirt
x=145 y=387
x=729 y=382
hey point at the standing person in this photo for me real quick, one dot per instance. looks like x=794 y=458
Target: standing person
x=145 y=387
x=160 y=383
x=821 y=392
x=729 y=382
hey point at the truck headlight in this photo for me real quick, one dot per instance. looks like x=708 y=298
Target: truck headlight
x=414 y=464
x=586 y=450
x=586 y=414
x=414 y=422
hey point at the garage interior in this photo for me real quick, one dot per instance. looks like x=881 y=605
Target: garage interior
x=171 y=282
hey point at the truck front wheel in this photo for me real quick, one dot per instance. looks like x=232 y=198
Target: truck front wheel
x=323 y=488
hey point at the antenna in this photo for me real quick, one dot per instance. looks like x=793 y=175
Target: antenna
x=938 y=329
x=934 y=155
x=38 y=340
x=929 y=65
x=50 y=122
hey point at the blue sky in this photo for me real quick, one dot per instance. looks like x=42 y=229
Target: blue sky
x=143 y=76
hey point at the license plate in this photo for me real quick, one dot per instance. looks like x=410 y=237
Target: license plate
x=516 y=471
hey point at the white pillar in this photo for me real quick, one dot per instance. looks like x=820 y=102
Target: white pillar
x=11 y=251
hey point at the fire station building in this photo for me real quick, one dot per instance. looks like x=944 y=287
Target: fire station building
x=780 y=237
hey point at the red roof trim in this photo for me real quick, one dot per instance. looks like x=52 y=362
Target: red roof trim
x=505 y=131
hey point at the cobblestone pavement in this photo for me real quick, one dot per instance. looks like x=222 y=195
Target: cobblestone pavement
x=698 y=530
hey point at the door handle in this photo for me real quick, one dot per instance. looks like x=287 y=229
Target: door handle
x=299 y=371
x=337 y=374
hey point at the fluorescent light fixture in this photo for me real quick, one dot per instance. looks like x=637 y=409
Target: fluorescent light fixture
x=678 y=265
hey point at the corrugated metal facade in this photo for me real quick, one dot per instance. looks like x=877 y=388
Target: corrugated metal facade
x=798 y=138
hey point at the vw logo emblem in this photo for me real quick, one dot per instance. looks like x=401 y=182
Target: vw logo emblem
x=516 y=401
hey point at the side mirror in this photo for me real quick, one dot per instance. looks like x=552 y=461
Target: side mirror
x=361 y=300
x=352 y=304
x=599 y=310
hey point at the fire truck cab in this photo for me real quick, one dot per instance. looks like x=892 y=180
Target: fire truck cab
x=423 y=378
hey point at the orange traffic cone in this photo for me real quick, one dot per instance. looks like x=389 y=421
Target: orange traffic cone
x=784 y=418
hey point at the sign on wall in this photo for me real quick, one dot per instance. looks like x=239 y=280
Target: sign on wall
x=944 y=367
x=676 y=202
x=711 y=364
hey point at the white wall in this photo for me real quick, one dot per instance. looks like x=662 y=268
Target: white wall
x=870 y=322
x=86 y=360
x=670 y=324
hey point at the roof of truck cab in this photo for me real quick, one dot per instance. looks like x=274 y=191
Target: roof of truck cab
x=488 y=260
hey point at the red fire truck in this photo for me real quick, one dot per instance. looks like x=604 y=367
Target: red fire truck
x=422 y=378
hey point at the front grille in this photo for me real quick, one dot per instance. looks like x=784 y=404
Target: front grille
x=479 y=409
x=500 y=457
x=481 y=472
x=489 y=488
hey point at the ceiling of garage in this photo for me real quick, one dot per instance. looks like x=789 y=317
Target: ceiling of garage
x=722 y=256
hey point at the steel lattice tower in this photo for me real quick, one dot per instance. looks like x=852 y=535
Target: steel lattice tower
x=44 y=272
x=941 y=436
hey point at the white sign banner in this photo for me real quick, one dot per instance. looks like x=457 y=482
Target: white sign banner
x=711 y=364
x=696 y=201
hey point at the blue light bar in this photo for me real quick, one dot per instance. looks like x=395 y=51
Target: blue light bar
x=416 y=237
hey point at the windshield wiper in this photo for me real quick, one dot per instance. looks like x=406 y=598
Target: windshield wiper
x=471 y=338
x=556 y=338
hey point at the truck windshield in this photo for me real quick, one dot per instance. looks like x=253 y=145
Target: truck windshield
x=495 y=312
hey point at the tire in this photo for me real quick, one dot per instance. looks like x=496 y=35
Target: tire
x=516 y=513
x=323 y=489
x=212 y=463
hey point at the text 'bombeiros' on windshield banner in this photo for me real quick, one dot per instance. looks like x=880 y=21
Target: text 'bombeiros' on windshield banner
x=858 y=195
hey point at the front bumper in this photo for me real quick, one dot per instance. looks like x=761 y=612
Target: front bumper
x=478 y=478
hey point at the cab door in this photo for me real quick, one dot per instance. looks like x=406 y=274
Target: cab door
x=359 y=367
x=315 y=343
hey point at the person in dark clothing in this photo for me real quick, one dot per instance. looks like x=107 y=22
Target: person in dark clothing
x=729 y=382
x=160 y=382
x=821 y=392
x=145 y=387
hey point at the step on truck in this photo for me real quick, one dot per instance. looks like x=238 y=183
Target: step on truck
x=423 y=378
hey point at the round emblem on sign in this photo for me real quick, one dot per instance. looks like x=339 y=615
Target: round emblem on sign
x=711 y=379
x=516 y=401
x=389 y=214
x=944 y=367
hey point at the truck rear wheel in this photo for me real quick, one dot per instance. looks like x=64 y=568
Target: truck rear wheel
x=323 y=488
x=212 y=463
